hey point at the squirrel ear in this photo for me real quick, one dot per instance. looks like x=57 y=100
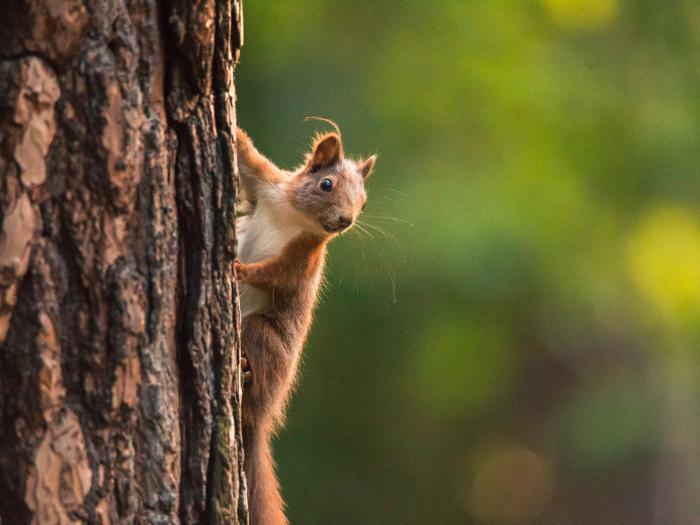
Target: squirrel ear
x=367 y=166
x=327 y=150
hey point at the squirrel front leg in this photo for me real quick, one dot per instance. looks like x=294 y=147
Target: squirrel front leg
x=297 y=260
x=263 y=274
x=255 y=169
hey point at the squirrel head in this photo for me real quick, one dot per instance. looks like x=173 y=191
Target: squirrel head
x=330 y=189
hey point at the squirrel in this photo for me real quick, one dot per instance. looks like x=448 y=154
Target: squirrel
x=282 y=250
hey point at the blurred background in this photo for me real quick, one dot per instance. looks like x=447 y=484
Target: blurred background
x=514 y=338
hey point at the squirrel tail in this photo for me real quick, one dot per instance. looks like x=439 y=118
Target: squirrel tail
x=265 y=503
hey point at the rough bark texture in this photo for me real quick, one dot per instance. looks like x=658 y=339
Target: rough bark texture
x=119 y=325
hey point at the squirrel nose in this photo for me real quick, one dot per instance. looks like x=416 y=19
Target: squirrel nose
x=344 y=222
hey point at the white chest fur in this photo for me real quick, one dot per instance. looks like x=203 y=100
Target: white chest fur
x=263 y=234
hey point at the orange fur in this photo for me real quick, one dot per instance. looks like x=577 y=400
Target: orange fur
x=273 y=335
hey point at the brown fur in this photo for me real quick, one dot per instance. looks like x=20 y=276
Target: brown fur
x=255 y=169
x=273 y=339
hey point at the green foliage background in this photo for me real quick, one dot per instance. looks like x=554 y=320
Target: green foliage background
x=515 y=338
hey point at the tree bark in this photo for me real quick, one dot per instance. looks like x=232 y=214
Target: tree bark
x=119 y=324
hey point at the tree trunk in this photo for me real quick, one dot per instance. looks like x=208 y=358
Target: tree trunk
x=119 y=325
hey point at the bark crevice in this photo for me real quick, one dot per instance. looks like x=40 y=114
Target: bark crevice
x=118 y=308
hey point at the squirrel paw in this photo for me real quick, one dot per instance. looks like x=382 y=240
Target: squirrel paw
x=245 y=368
x=240 y=270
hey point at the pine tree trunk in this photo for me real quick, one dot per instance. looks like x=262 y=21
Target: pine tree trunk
x=119 y=325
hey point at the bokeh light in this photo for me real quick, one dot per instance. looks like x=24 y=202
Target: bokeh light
x=514 y=338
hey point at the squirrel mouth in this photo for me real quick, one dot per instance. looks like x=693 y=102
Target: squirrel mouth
x=342 y=223
x=334 y=228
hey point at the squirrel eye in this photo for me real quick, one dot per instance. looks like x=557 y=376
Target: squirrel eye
x=326 y=184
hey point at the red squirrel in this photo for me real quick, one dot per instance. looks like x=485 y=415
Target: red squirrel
x=282 y=250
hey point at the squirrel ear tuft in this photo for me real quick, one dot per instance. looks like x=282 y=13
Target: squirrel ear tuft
x=367 y=166
x=327 y=150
